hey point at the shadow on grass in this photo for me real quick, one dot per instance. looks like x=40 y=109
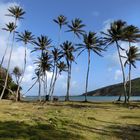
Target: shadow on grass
x=80 y=105
x=13 y=130
x=128 y=132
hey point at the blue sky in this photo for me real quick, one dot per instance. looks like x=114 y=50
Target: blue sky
x=97 y=15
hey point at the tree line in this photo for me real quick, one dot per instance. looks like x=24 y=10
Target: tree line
x=60 y=58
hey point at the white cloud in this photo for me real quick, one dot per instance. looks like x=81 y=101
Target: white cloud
x=118 y=74
x=106 y=25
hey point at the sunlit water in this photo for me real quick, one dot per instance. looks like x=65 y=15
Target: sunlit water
x=89 y=98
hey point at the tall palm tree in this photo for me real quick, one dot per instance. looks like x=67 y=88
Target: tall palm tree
x=91 y=43
x=68 y=50
x=133 y=55
x=10 y=27
x=115 y=34
x=76 y=27
x=25 y=37
x=61 y=21
x=45 y=65
x=17 y=12
x=57 y=54
x=17 y=73
x=43 y=44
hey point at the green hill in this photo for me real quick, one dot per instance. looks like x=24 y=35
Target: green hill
x=114 y=90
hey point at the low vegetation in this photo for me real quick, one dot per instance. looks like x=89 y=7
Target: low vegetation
x=69 y=121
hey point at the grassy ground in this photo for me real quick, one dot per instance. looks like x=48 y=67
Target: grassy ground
x=69 y=121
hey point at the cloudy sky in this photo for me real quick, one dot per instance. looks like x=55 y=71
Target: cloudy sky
x=96 y=14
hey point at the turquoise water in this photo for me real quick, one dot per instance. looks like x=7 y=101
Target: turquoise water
x=82 y=98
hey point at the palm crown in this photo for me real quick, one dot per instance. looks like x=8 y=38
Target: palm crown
x=62 y=66
x=76 y=27
x=131 y=34
x=43 y=43
x=91 y=42
x=26 y=37
x=57 y=54
x=61 y=20
x=68 y=50
x=16 y=12
x=115 y=33
x=10 y=27
x=132 y=55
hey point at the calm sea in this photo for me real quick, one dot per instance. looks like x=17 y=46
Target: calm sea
x=89 y=98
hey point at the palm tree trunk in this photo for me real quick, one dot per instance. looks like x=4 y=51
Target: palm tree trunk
x=8 y=67
x=123 y=74
x=87 y=76
x=53 y=86
x=5 y=51
x=20 y=81
x=130 y=84
x=68 y=82
x=39 y=90
x=51 y=83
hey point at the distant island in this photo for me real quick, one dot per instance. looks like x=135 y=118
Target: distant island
x=114 y=90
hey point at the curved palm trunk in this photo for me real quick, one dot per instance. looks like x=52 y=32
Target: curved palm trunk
x=39 y=90
x=8 y=67
x=87 y=76
x=31 y=86
x=53 y=86
x=123 y=74
x=130 y=84
x=51 y=83
x=5 y=52
x=68 y=82
x=25 y=61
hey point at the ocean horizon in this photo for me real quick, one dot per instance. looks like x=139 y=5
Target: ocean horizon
x=82 y=98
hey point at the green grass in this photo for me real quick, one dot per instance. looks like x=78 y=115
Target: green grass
x=69 y=121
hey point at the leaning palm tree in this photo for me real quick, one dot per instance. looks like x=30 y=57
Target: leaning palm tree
x=10 y=27
x=133 y=55
x=45 y=65
x=76 y=27
x=68 y=50
x=61 y=21
x=17 y=73
x=61 y=66
x=25 y=37
x=16 y=12
x=115 y=34
x=91 y=43
x=57 y=55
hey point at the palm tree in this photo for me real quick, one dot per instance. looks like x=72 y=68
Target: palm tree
x=45 y=65
x=76 y=27
x=133 y=55
x=61 y=66
x=43 y=44
x=17 y=73
x=115 y=34
x=10 y=27
x=91 y=43
x=68 y=50
x=16 y=12
x=61 y=21
x=57 y=54
x=25 y=37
